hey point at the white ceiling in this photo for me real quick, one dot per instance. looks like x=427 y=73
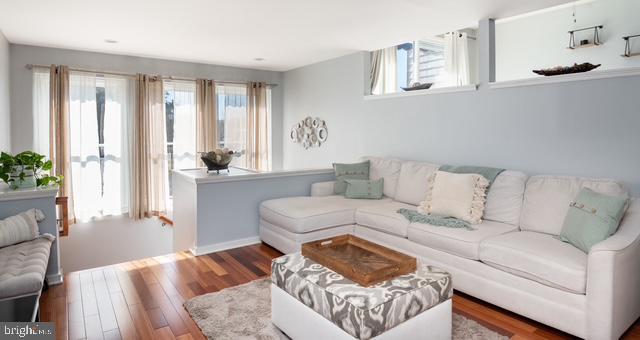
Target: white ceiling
x=286 y=33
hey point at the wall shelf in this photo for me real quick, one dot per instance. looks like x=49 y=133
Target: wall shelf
x=594 y=42
x=592 y=75
x=439 y=90
x=627 y=46
x=584 y=46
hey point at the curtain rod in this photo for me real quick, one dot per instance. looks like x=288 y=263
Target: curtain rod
x=31 y=66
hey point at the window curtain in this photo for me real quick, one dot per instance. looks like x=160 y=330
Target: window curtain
x=258 y=122
x=41 y=119
x=84 y=146
x=206 y=119
x=117 y=132
x=59 y=146
x=149 y=184
x=456 y=59
x=384 y=71
x=184 y=124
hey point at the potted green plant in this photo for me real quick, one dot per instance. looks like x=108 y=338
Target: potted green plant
x=27 y=169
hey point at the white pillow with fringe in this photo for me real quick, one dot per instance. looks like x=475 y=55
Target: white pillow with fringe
x=461 y=196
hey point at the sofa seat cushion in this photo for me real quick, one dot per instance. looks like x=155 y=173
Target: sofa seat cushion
x=23 y=266
x=384 y=217
x=457 y=241
x=304 y=214
x=538 y=257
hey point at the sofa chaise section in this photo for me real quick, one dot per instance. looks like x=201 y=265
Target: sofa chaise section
x=286 y=223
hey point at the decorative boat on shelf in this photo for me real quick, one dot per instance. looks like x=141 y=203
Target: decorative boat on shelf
x=558 y=70
x=418 y=86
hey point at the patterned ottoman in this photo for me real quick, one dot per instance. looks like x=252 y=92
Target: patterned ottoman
x=310 y=301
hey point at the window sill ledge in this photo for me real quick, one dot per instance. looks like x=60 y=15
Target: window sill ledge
x=7 y=194
x=614 y=73
x=451 y=89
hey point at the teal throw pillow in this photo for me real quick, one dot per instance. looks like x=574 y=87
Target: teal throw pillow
x=592 y=218
x=364 y=188
x=349 y=171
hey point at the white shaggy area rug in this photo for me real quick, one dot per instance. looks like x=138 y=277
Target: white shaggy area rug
x=244 y=312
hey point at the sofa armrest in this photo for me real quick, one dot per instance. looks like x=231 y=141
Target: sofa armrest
x=322 y=188
x=613 y=278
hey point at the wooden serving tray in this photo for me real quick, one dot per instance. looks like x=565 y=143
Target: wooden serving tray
x=361 y=261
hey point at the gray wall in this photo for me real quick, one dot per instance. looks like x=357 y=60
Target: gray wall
x=21 y=83
x=5 y=109
x=228 y=211
x=586 y=128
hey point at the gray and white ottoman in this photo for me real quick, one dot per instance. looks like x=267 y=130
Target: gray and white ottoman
x=310 y=301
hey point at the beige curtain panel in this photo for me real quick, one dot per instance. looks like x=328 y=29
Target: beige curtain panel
x=206 y=119
x=60 y=148
x=149 y=183
x=258 y=139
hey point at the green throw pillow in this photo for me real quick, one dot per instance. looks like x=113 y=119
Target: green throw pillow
x=592 y=218
x=364 y=188
x=349 y=171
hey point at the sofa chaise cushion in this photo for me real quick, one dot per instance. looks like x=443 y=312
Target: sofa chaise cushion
x=538 y=257
x=457 y=241
x=23 y=266
x=384 y=217
x=304 y=214
x=547 y=199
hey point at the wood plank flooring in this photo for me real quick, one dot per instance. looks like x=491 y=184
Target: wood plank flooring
x=143 y=299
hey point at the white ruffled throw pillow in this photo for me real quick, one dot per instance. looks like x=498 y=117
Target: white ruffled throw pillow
x=461 y=196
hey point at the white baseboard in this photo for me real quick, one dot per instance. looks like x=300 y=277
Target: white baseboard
x=212 y=248
x=55 y=279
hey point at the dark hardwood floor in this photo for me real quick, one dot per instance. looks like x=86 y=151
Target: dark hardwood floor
x=143 y=299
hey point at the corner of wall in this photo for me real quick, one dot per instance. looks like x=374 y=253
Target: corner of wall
x=5 y=106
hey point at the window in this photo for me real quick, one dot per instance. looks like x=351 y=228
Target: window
x=101 y=113
x=430 y=66
x=446 y=60
x=231 y=101
x=41 y=111
x=100 y=110
x=180 y=110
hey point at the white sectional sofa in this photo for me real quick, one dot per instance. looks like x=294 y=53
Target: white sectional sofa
x=513 y=259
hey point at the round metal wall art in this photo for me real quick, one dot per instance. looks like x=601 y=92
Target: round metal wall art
x=309 y=132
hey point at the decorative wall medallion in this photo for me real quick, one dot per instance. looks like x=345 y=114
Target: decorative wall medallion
x=309 y=132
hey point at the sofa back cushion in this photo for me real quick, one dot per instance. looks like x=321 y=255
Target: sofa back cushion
x=547 y=199
x=20 y=228
x=412 y=182
x=387 y=168
x=504 y=198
